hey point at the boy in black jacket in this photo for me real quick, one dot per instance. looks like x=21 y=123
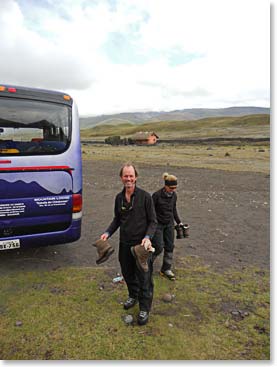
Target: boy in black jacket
x=165 y=205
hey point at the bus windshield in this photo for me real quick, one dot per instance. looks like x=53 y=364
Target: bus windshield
x=29 y=127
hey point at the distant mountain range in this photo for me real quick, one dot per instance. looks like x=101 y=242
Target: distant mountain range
x=177 y=115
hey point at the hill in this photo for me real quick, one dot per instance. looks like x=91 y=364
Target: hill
x=240 y=126
x=177 y=115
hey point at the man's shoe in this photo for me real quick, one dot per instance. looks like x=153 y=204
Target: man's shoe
x=104 y=249
x=129 y=303
x=143 y=317
x=168 y=274
x=141 y=255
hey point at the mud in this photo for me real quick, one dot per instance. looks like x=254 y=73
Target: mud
x=228 y=214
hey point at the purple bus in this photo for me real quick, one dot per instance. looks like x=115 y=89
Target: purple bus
x=40 y=168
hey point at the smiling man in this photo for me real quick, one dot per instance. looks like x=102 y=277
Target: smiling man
x=134 y=213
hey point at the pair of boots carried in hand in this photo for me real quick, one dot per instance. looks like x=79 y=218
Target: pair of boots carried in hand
x=105 y=250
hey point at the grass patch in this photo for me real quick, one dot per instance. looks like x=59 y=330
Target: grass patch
x=76 y=313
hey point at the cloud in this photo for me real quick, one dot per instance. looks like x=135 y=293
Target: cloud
x=29 y=58
x=127 y=55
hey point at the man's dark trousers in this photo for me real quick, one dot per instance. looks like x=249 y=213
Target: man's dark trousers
x=140 y=284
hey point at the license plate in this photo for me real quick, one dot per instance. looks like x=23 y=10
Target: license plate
x=9 y=244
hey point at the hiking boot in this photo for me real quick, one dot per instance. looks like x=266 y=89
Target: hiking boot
x=104 y=250
x=129 y=303
x=168 y=274
x=143 y=317
x=185 y=229
x=141 y=255
x=179 y=231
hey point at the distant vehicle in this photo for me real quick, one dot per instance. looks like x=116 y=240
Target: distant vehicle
x=40 y=168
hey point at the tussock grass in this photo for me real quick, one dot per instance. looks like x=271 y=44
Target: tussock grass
x=77 y=313
x=229 y=158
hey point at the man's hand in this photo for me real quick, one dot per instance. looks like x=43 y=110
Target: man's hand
x=146 y=243
x=104 y=236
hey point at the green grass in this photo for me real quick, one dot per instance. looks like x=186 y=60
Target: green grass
x=77 y=313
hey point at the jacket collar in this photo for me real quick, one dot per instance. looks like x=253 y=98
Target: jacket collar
x=164 y=194
x=134 y=193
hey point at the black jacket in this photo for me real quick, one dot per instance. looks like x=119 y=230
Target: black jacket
x=165 y=207
x=136 y=220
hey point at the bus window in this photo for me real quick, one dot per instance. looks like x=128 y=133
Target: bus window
x=31 y=127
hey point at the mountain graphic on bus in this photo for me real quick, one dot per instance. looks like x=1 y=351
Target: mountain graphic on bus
x=21 y=189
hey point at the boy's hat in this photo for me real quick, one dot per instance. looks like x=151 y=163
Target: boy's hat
x=170 y=180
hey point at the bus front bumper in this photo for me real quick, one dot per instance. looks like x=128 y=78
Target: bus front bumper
x=71 y=234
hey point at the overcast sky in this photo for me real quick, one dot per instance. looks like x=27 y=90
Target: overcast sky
x=139 y=55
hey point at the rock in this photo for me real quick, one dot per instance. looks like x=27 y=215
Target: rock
x=237 y=315
x=18 y=323
x=227 y=323
x=167 y=297
x=243 y=313
x=128 y=319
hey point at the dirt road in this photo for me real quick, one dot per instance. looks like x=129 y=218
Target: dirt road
x=228 y=213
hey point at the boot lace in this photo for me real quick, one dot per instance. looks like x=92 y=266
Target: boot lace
x=130 y=301
x=142 y=314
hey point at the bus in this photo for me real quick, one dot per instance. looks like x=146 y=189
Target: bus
x=40 y=168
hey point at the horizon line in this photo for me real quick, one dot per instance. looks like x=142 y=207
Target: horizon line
x=165 y=111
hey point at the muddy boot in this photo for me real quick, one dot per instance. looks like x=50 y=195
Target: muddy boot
x=141 y=255
x=179 y=231
x=104 y=250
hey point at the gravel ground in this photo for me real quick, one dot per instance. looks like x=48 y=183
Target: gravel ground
x=228 y=213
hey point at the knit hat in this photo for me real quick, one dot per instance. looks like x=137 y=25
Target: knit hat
x=170 y=180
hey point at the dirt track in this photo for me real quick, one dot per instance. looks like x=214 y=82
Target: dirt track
x=228 y=213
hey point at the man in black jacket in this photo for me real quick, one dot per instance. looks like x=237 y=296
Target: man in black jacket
x=165 y=205
x=134 y=213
